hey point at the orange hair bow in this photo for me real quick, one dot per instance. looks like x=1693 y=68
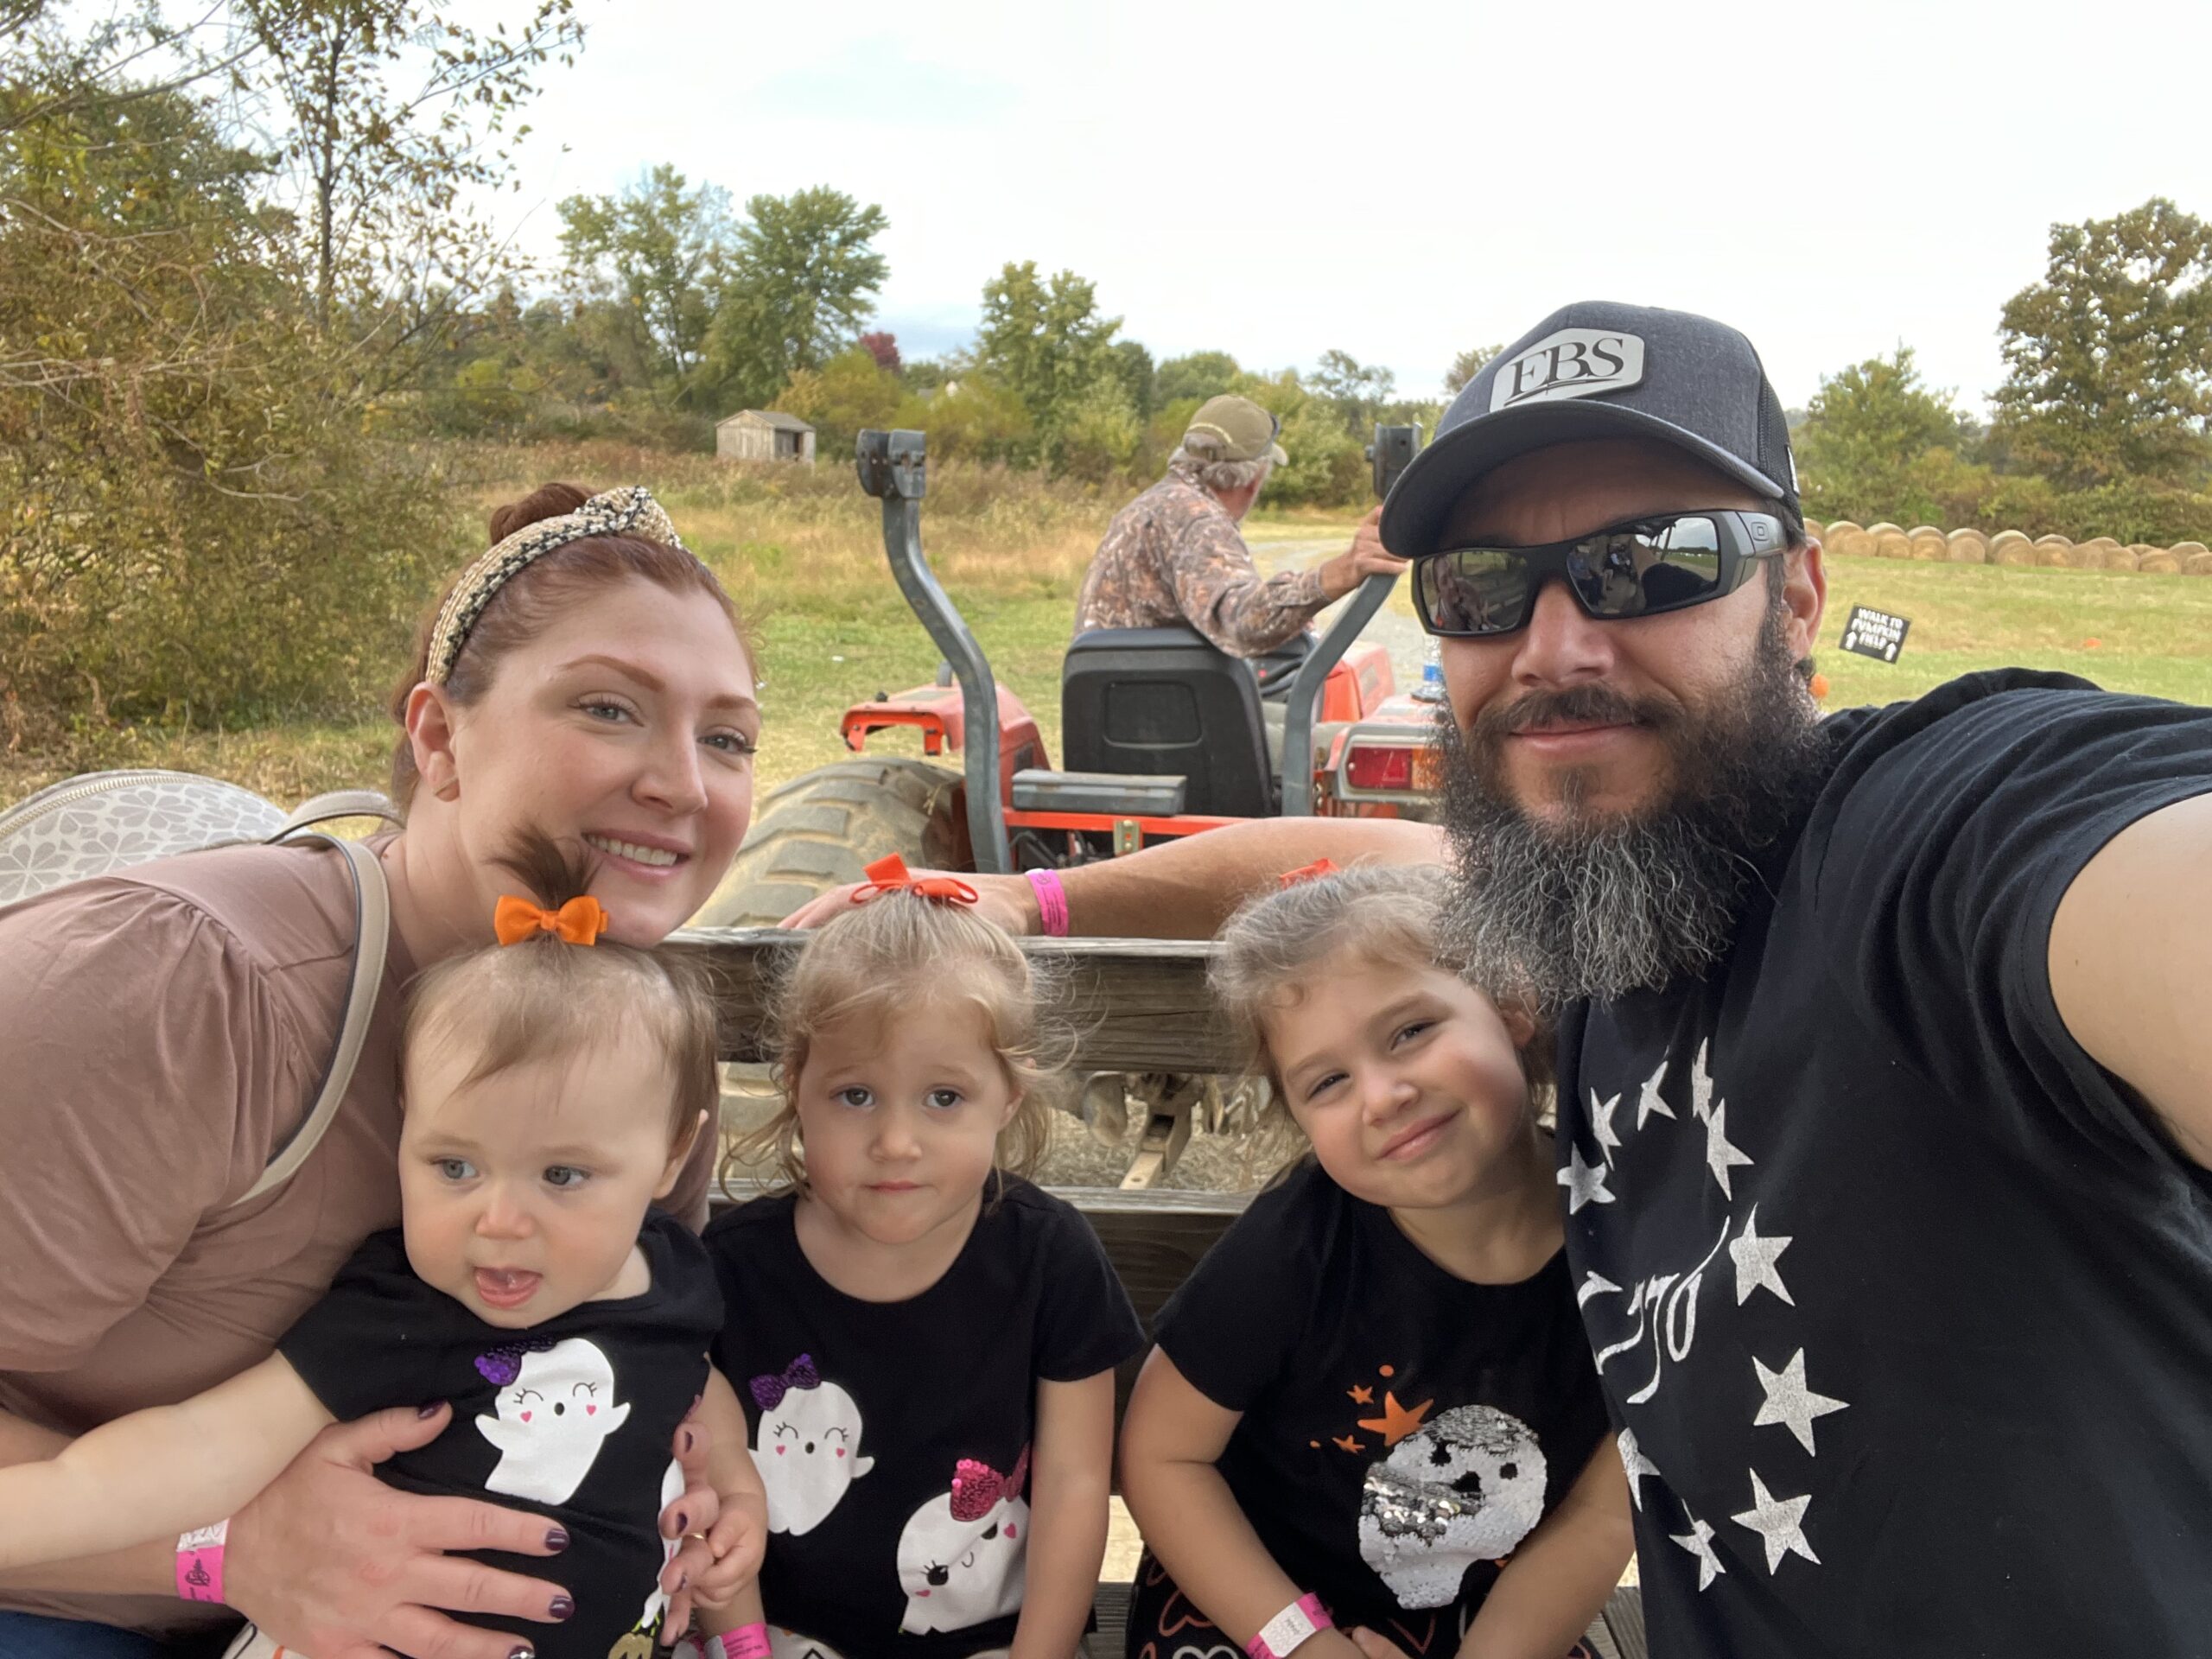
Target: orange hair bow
x=581 y=921
x=1314 y=871
x=889 y=874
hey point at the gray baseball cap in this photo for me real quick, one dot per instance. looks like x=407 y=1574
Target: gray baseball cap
x=1598 y=370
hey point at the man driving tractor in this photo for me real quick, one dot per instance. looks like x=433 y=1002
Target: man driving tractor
x=1175 y=553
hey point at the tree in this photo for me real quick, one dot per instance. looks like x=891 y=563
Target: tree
x=661 y=251
x=884 y=348
x=2109 y=358
x=1132 y=369
x=1047 y=344
x=1196 y=374
x=848 y=393
x=1355 y=392
x=802 y=279
x=1864 y=431
x=1466 y=366
x=387 y=114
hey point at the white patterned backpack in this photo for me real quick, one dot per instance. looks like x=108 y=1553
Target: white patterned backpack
x=102 y=822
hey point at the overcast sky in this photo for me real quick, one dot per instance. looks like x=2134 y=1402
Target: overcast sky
x=1403 y=178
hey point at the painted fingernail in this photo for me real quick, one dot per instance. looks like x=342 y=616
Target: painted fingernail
x=426 y=1411
x=682 y=1582
x=687 y=1439
x=522 y=1653
x=556 y=1538
x=562 y=1608
x=683 y=1522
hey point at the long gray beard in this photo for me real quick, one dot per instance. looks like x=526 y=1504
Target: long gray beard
x=1595 y=905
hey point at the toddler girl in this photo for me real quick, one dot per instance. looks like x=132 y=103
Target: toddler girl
x=925 y=1341
x=1375 y=1389
x=550 y=1093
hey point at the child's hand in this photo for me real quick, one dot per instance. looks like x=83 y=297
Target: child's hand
x=1373 y=1646
x=739 y=1541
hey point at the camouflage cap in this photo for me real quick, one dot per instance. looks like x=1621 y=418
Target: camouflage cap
x=1229 y=428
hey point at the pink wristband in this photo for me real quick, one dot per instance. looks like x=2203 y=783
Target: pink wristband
x=1051 y=901
x=200 y=1562
x=1280 y=1636
x=746 y=1642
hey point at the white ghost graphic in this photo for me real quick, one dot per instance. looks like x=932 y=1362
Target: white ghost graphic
x=1466 y=1488
x=553 y=1414
x=962 y=1556
x=807 y=1445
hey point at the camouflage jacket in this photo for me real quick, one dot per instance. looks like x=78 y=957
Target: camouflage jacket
x=1174 y=556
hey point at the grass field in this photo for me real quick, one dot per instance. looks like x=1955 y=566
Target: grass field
x=803 y=554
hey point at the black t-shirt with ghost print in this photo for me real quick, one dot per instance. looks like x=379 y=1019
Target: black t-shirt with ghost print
x=574 y=1419
x=1403 y=1430
x=894 y=1438
x=1903 y=1303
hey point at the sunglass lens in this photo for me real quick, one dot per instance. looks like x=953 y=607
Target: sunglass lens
x=1649 y=567
x=1474 y=591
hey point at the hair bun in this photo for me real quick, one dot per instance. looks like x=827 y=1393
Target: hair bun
x=546 y=501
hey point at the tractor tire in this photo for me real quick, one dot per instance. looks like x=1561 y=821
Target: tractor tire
x=822 y=828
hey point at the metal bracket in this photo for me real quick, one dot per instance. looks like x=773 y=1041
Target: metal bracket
x=892 y=466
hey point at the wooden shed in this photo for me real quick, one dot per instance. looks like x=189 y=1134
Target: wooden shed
x=763 y=435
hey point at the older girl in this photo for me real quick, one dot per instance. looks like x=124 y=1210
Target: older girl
x=585 y=680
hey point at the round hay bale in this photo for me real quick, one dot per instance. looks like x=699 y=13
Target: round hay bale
x=2159 y=562
x=2102 y=544
x=1967 y=547
x=1891 y=544
x=1836 y=531
x=1928 y=544
x=2006 y=538
x=1882 y=529
x=2083 y=557
x=2186 y=550
x=1851 y=543
x=2052 y=552
x=2022 y=552
x=2197 y=564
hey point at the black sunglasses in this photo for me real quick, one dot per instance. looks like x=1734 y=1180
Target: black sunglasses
x=1668 y=561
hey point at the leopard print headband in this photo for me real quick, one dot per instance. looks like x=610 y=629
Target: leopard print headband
x=629 y=510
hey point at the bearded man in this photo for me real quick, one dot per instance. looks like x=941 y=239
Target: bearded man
x=1886 y=1077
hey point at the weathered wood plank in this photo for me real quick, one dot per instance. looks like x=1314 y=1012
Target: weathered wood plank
x=1138 y=1005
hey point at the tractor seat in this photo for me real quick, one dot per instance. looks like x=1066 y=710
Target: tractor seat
x=1167 y=700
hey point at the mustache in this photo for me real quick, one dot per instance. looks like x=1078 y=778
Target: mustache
x=1593 y=704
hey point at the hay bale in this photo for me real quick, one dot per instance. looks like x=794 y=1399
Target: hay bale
x=1851 y=543
x=2053 y=551
x=1967 y=547
x=1891 y=544
x=2197 y=564
x=2012 y=547
x=2090 y=555
x=2186 y=550
x=1928 y=544
x=1836 y=530
x=2159 y=562
x=1879 y=531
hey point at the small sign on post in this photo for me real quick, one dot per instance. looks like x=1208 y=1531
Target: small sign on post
x=1874 y=633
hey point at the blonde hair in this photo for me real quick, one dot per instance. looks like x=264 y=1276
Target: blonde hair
x=545 y=1000
x=895 y=952
x=1387 y=913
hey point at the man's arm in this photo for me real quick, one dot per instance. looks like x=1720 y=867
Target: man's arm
x=1184 y=888
x=2131 y=959
x=1226 y=598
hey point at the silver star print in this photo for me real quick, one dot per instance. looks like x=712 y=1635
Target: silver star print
x=1638 y=1466
x=1585 y=1182
x=1649 y=1101
x=1719 y=1155
x=1601 y=1126
x=1755 y=1261
x=1790 y=1403
x=1779 y=1523
x=1699 y=1541
x=1701 y=1085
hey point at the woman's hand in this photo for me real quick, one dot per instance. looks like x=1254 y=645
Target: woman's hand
x=330 y=1561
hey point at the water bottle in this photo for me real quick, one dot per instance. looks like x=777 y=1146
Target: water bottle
x=1431 y=689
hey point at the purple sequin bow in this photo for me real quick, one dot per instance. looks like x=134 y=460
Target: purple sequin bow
x=768 y=1391
x=503 y=1363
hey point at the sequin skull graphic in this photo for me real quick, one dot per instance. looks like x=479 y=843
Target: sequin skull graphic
x=961 y=1556
x=1467 y=1487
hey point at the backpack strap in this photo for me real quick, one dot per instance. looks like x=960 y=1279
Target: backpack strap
x=343 y=803
x=372 y=919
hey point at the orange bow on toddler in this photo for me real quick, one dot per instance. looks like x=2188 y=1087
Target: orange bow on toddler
x=1314 y=871
x=888 y=874
x=581 y=921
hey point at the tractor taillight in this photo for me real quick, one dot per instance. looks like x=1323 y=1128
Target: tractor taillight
x=1375 y=766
